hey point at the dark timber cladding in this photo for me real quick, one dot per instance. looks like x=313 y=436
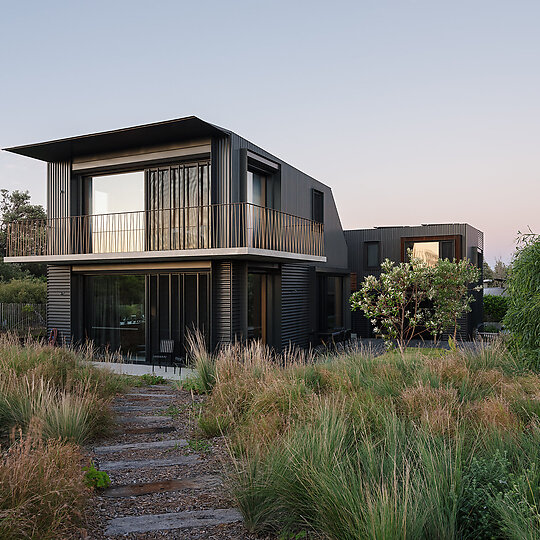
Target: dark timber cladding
x=295 y=296
x=469 y=243
x=58 y=192
x=59 y=302
x=229 y=281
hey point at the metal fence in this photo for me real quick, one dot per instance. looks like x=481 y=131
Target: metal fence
x=22 y=316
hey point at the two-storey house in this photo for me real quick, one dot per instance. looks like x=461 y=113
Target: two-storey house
x=156 y=230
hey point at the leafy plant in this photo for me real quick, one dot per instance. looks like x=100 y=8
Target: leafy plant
x=484 y=481
x=495 y=307
x=199 y=445
x=151 y=379
x=95 y=478
x=172 y=410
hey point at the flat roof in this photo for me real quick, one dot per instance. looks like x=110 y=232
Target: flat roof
x=189 y=127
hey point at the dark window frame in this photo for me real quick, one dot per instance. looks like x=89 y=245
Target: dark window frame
x=367 y=266
x=456 y=238
x=314 y=209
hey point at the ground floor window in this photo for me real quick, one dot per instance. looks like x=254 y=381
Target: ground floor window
x=135 y=314
x=330 y=304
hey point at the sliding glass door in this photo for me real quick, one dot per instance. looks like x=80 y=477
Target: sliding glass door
x=178 y=304
x=115 y=313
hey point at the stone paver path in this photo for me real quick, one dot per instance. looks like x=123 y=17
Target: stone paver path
x=160 y=483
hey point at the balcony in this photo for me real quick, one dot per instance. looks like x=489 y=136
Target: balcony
x=222 y=230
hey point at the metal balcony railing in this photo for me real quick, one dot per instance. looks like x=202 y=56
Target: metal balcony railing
x=214 y=226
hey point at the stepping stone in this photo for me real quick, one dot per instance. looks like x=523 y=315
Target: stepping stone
x=134 y=408
x=176 y=520
x=147 y=463
x=134 y=490
x=143 y=419
x=140 y=446
x=150 y=395
x=148 y=430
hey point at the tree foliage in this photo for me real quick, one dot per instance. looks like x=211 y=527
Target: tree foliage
x=414 y=295
x=15 y=206
x=24 y=291
x=523 y=315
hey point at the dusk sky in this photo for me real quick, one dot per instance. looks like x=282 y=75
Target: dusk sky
x=412 y=111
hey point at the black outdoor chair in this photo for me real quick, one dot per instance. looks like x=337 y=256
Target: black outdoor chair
x=166 y=356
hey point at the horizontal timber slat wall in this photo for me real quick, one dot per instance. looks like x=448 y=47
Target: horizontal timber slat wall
x=59 y=302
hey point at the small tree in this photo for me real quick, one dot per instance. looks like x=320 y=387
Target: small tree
x=414 y=295
x=450 y=283
x=394 y=301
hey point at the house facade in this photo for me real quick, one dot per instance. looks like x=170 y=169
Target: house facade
x=157 y=230
x=367 y=248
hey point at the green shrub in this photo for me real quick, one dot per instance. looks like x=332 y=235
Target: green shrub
x=523 y=315
x=495 y=307
x=486 y=479
x=151 y=379
x=94 y=478
x=23 y=291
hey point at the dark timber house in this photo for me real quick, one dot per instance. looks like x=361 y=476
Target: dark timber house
x=369 y=247
x=157 y=229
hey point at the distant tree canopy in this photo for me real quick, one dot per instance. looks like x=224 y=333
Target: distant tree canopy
x=15 y=206
x=499 y=272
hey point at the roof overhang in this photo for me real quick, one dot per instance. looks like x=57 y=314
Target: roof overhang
x=120 y=140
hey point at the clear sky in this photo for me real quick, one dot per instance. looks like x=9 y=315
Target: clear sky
x=423 y=111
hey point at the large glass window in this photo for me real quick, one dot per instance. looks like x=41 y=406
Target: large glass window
x=116 y=313
x=432 y=250
x=117 y=208
x=178 y=203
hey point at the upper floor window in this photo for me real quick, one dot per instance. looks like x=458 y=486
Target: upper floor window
x=115 y=193
x=372 y=255
x=317 y=206
x=116 y=205
x=431 y=250
x=260 y=189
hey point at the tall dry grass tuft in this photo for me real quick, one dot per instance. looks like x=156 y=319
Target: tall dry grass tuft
x=42 y=489
x=76 y=415
x=358 y=446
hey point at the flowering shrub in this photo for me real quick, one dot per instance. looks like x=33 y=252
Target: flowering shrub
x=414 y=295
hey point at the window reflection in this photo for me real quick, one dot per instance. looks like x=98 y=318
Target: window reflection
x=427 y=251
x=117 y=205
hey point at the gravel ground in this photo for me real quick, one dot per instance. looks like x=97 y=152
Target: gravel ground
x=213 y=460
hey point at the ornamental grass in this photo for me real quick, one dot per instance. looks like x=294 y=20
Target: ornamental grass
x=352 y=445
